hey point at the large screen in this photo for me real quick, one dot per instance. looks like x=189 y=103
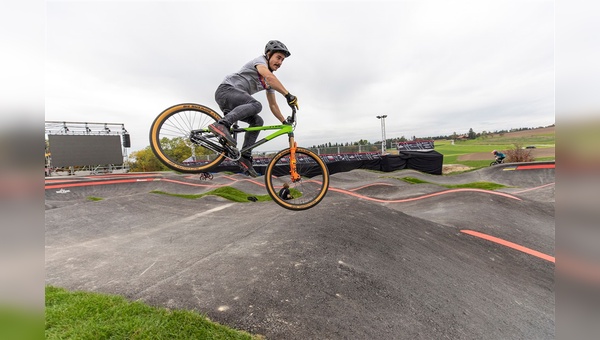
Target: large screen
x=82 y=150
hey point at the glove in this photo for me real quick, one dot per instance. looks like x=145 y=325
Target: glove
x=292 y=100
x=287 y=121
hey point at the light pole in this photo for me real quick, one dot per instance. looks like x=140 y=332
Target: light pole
x=382 y=118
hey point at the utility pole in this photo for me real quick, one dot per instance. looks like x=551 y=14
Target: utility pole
x=383 y=142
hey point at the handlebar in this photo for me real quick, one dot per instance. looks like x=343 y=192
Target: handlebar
x=292 y=119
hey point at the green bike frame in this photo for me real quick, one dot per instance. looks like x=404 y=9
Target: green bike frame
x=281 y=130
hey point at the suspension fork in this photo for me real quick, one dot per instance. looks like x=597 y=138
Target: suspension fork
x=295 y=176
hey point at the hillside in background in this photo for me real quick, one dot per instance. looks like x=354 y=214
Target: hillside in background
x=468 y=154
x=539 y=137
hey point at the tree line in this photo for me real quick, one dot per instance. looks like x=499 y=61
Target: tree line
x=390 y=142
x=144 y=160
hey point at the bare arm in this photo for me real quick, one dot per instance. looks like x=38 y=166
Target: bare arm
x=271 y=79
x=274 y=107
x=276 y=85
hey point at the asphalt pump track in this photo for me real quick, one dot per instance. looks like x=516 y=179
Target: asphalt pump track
x=378 y=258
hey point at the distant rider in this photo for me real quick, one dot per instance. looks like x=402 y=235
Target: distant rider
x=285 y=193
x=499 y=156
x=234 y=97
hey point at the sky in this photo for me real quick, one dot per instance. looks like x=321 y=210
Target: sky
x=433 y=67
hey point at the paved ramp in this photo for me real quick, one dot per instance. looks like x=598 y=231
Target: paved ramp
x=377 y=259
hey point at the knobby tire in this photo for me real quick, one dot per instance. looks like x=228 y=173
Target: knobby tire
x=309 y=190
x=173 y=127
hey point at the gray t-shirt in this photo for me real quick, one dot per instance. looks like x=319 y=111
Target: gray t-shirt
x=248 y=79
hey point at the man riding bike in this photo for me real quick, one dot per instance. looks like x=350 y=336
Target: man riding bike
x=234 y=97
x=499 y=156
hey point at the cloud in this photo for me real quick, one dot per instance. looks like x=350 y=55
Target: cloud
x=434 y=67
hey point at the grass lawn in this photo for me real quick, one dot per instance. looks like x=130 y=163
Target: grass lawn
x=452 y=152
x=541 y=138
x=229 y=193
x=84 y=315
x=473 y=185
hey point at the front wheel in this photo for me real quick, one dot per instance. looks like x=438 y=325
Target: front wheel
x=170 y=138
x=306 y=192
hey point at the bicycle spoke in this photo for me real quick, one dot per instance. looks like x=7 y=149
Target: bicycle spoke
x=171 y=140
x=306 y=192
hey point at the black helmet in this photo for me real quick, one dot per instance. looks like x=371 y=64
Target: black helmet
x=277 y=46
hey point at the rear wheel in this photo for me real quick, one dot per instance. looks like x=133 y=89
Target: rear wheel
x=170 y=138
x=306 y=192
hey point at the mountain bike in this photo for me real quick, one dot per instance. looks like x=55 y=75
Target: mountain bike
x=206 y=176
x=496 y=162
x=180 y=139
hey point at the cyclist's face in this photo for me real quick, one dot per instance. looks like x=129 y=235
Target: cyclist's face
x=276 y=60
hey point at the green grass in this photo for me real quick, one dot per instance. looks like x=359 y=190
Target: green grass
x=489 y=143
x=540 y=140
x=85 y=315
x=473 y=185
x=92 y=198
x=452 y=152
x=229 y=193
x=507 y=141
x=412 y=180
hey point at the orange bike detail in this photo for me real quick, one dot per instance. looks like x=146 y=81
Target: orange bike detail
x=293 y=170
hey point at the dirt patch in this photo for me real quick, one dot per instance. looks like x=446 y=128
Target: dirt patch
x=450 y=168
x=478 y=156
x=530 y=133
